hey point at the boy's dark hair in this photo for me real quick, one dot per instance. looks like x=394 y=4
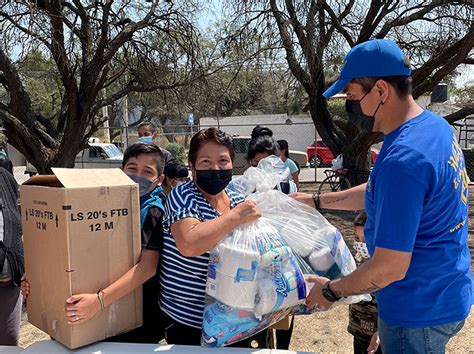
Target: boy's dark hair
x=262 y=141
x=283 y=145
x=144 y=148
x=146 y=124
x=175 y=169
x=401 y=84
x=360 y=219
x=206 y=135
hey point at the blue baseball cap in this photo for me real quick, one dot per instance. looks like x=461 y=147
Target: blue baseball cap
x=374 y=58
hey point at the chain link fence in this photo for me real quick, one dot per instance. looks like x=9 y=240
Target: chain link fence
x=176 y=139
x=466 y=141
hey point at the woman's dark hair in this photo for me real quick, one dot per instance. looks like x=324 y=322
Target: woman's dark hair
x=145 y=149
x=209 y=135
x=259 y=131
x=262 y=141
x=283 y=145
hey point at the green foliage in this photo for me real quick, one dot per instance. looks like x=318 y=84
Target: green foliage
x=337 y=108
x=41 y=81
x=177 y=150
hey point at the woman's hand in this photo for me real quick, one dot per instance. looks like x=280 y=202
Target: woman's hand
x=247 y=211
x=81 y=308
x=24 y=287
x=374 y=343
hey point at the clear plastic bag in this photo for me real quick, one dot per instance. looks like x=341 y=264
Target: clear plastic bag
x=256 y=273
x=337 y=163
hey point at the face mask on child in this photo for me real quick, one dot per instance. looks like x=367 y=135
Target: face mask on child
x=361 y=251
x=146 y=139
x=145 y=185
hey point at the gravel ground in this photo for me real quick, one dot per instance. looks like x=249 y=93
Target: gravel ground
x=324 y=332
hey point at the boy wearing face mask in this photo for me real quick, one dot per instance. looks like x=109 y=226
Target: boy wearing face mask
x=147 y=133
x=363 y=315
x=176 y=174
x=144 y=164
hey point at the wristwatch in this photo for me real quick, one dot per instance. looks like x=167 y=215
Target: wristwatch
x=328 y=294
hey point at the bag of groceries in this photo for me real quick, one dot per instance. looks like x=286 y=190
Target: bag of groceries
x=256 y=274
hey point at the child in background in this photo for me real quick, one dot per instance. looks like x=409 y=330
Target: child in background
x=285 y=157
x=363 y=315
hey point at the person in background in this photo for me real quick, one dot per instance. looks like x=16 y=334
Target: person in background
x=175 y=174
x=6 y=163
x=285 y=157
x=198 y=215
x=363 y=315
x=11 y=258
x=147 y=133
x=262 y=145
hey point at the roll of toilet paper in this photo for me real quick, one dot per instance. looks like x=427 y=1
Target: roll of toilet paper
x=343 y=256
x=233 y=291
x=279 y=291
x=321 y=260
x=280 y=281
x=276 y=256
x=234 y=261
x=297 y=238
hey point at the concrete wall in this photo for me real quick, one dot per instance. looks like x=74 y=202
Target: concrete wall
x=299 y=130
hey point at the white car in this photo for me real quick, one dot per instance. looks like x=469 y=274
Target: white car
x=97 y=155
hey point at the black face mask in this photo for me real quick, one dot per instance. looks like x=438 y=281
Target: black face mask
x=357 y=117
x=362 y=121
x=213 y=181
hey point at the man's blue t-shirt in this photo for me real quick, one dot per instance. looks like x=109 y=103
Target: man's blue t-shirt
x=417 y=201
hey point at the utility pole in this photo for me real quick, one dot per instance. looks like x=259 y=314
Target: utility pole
x=105 y=114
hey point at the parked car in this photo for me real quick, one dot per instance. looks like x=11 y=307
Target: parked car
x=241 y=146
x=319 y=154
x=97 y=155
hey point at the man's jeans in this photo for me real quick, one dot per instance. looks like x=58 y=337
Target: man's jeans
x=432 y=340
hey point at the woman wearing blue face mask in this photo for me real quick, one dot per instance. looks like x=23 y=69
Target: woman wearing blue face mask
x=198 y=214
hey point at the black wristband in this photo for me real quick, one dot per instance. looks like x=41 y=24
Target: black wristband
x=317 y=201
x=329 y=294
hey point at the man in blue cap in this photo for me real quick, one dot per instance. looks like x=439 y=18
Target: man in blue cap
x=416 y=202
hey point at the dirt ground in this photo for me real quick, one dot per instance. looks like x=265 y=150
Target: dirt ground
x=326 y=332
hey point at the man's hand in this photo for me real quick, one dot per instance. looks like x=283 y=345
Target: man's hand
x=374 y=343
x=80 y=308
x=315 y=298
x=304 y=198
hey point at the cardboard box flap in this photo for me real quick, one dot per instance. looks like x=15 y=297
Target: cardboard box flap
x=82 y=178
x=93 y=177
x=43 y=180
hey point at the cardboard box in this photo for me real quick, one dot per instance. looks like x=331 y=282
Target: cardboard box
x=81 y=232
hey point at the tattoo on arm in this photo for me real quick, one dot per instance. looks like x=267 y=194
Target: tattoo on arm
x=335 y=200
